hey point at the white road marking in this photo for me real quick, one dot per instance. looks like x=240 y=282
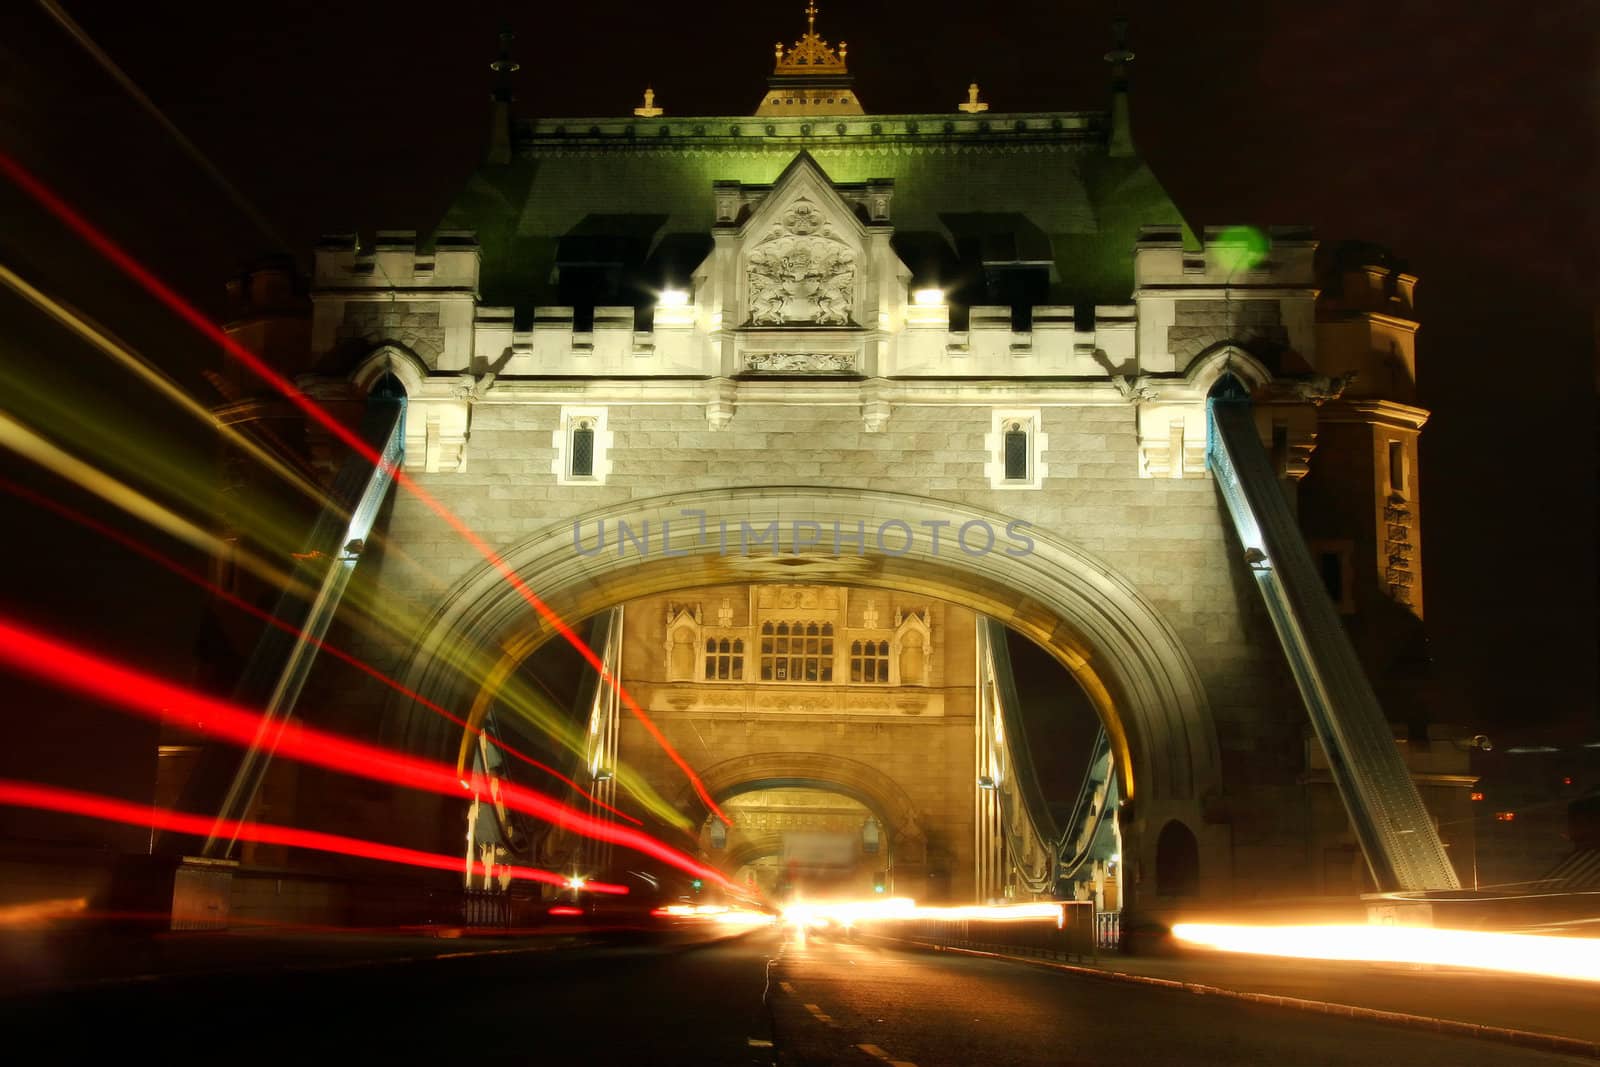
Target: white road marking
x=821 y=1016
x=877 y=1053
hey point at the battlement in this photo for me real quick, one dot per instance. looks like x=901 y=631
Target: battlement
x=1228 y=256
x=396 y=260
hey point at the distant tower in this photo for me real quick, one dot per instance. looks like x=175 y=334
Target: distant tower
x=811 y=78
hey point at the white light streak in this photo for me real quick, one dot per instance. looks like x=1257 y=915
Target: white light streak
x=1535 y=954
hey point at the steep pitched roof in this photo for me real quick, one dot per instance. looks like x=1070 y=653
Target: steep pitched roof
x=634 y=198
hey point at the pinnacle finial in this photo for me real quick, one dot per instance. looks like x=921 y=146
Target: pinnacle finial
x=505 y=64
x=1121 y=139
x=1119 y=55
x=504 y=67
x=811 y=17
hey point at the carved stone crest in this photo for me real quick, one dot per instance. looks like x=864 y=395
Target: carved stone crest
x=800 y=362
x=801 y=272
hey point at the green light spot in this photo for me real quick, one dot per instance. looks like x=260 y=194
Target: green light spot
x=1240 y=248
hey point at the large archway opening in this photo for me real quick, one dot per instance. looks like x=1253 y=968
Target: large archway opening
x=1095 y=624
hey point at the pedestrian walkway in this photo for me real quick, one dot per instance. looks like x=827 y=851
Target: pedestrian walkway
x=1543 y=1012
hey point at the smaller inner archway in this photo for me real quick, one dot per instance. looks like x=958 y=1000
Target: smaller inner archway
x=800 y=842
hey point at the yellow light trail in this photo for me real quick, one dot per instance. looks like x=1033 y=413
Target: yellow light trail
x=380 y=615
x=126 y=358
x=23 y=441
x=130 y=360
x=1531 y=954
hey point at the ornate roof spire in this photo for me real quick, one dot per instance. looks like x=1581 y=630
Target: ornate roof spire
x=810 y=78
x=811 y=53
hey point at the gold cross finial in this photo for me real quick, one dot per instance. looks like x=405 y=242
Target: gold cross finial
x=649 y=111
x=811 y=17
x=973 y=104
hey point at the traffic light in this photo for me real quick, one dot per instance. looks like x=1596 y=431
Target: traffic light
x=697 y=885
x=878 y=881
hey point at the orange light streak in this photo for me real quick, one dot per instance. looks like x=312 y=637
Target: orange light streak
x=32 y=653
x=192 y=315
x=272 y=620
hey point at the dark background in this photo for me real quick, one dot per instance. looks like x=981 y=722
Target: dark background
x=1462 y=138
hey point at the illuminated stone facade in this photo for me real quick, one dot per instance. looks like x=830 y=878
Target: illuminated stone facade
x=979 y=326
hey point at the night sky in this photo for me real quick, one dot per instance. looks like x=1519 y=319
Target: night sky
x=1465 y=142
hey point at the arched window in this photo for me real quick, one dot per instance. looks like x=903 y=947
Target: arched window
x=797 y=652
x=724 y=659
x=1177 y=861
x=869 y=662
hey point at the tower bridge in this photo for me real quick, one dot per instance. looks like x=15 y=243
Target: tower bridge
x=659 y=364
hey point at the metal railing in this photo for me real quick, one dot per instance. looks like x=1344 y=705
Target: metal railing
x=486 y=908
x=1108 y=930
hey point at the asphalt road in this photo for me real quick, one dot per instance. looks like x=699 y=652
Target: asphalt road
x=767 y=998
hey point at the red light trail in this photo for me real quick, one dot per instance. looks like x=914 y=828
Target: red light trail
x=192 y=315
x=250 y=609
x=71 y=802
x=32 y=653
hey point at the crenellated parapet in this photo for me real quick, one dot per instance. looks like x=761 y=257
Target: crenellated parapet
x=1252 y=288
x=803 y=283
x=395 y=292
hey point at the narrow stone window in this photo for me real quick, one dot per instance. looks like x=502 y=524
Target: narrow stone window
x=1016 y=447
x=582 y=446
x=583 y=449
x=1397 y=467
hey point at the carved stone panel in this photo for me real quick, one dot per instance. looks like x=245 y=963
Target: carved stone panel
x=801 y=271
x=801 y=362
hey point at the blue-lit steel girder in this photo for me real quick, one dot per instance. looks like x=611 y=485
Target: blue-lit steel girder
x=1395 y=830
x=283 y=657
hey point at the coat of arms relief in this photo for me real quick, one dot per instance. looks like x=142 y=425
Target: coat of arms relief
x=801 y=272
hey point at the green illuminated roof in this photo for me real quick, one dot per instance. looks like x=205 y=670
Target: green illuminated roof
x=607 y=210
